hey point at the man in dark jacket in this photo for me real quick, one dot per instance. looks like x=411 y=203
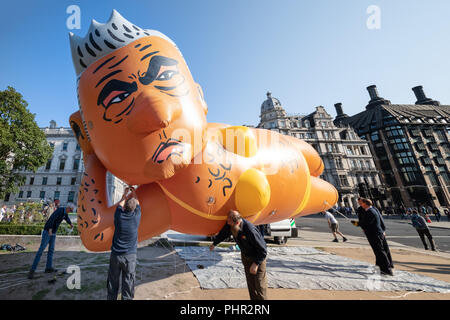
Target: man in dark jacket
x=370 y=220
x=49 y=237
x=253 y=252
x=123 y=258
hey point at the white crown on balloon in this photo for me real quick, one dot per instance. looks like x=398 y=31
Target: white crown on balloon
x=102 y=39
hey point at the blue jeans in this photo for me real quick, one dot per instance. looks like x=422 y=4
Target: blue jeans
x=46 y=240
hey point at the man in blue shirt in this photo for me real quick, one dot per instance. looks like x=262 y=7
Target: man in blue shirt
x=370 y=220
x=49 y=237
x=253 y=252
x=124 y=246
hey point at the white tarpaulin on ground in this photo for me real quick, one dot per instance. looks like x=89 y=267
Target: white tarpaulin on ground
x=302 y=268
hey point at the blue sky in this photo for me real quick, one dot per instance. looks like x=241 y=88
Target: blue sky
x=307 y=53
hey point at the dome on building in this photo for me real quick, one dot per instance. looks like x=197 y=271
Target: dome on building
x=270 y=103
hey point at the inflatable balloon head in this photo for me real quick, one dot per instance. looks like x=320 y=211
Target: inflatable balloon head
x=136 y=92
x=142 y=117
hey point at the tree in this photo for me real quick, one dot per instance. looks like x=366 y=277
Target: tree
x=23 y=146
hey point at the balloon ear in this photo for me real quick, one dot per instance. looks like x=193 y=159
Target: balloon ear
x=76 y=123
x=202 y=98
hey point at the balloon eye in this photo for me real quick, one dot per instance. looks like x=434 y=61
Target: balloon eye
x=115 y=97
x=166 y=75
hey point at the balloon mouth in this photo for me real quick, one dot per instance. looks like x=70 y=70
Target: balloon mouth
x=166 y=150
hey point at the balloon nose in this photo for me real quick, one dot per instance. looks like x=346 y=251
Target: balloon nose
x=151 y=113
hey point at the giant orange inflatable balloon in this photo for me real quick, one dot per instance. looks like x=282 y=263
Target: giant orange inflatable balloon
x=143 y=118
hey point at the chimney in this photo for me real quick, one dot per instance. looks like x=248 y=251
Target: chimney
x=373 y=92
x=375 y=99
x=341 y=117
x=338 y=107
x=422 y=98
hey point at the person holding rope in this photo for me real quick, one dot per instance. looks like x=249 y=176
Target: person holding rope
x=49 y=238
x=370 y=220
x=123 y=258
x=334 y=226
x=253 y=252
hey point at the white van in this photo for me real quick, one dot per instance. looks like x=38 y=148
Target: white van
x=280 y=231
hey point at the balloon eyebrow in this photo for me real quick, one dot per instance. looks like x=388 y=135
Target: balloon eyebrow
x=145 y=47
x=149 y=54
x=115 y=65
x=107 y=76
x=103 y=64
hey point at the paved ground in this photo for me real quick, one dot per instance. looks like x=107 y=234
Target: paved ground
x=163 y=275
x=398 y=230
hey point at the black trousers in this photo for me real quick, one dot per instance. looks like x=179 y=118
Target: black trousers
x=121 y=266
x=381 y=250
x=426 y=232
x=256 y=283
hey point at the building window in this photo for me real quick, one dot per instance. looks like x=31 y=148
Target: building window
x=62 y=164
x=7 y=197
x=446 y=177
x=76 y=164
x=409 y=174
x=56 y=195
x=432 y=178
x=42 y=195
x=77 y=148
x=48 y=165
x=329 y=147
x=44 y=181
x=405 y=158
x=441 y=135
x=420 y=146
x=363 y=150
x=74 y=179
x=434 y=146
x=31 y=180
x=71 y=196
x=65 y=144
x=426 y=161
x=58 y=180
x=52 y=145
x=440 y=161
x=21 y=194
x=343 y=181
x=349 y=150
x=28 y=194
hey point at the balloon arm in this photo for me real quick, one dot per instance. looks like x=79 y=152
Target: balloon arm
x=95 y=217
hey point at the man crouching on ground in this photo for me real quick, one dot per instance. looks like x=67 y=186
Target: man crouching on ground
x=124 y=246
x=253 y=252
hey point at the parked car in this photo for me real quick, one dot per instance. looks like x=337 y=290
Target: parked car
x=281 y=231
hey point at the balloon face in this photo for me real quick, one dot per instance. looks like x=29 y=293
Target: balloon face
x=143 y=112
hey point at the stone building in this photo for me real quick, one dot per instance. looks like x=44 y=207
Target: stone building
x=411 y=146
x=60 y=177
x=348 y=161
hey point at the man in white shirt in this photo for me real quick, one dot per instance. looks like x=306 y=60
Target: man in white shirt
x=2 y=212
x=334 y=226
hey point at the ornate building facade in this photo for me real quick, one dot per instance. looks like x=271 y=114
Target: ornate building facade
x=349 y=164
x=411 y=146
x=60 y=178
